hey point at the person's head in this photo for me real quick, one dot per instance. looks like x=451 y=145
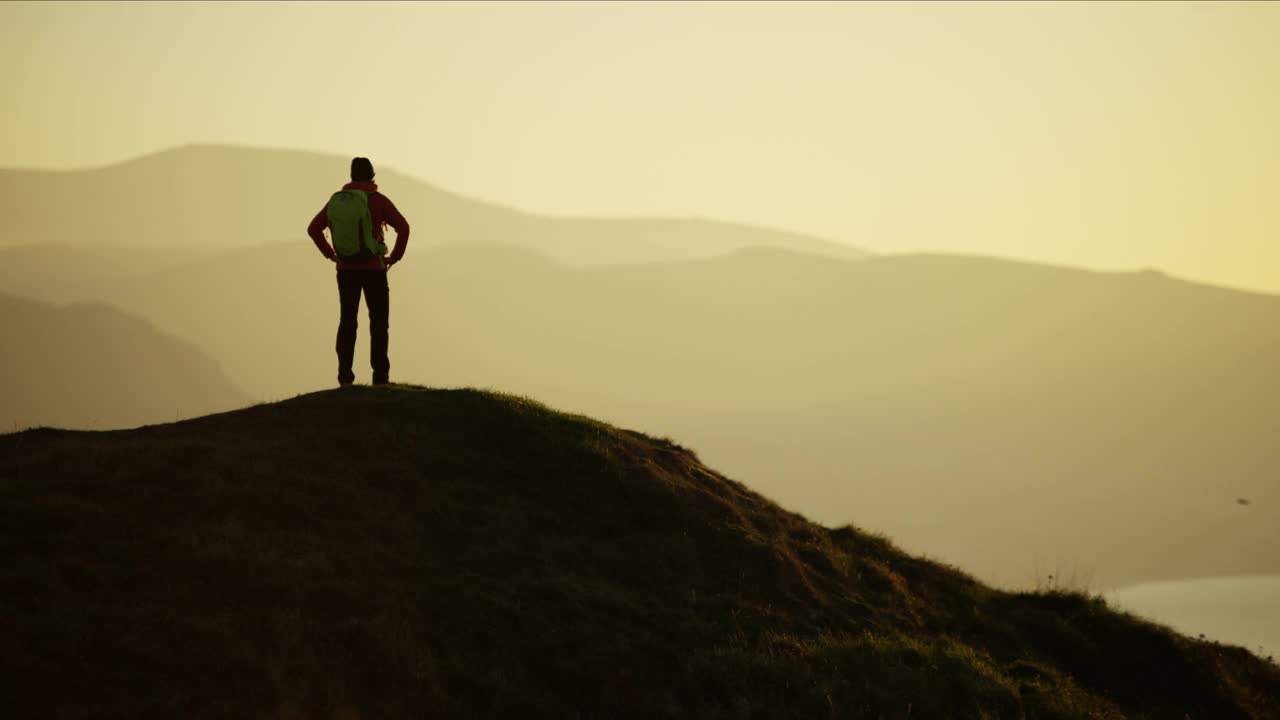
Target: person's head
x=361 y=170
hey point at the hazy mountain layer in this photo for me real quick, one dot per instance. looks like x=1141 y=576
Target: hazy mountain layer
x=60 y=274
x=1018 y=420
x=92 y=366
x=470 y=555
x=231 y=197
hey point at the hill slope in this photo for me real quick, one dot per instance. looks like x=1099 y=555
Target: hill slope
x=463 y=554
x=209 y=196
x=91 y=366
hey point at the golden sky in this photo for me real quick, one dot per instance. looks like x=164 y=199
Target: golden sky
x=1102 y=135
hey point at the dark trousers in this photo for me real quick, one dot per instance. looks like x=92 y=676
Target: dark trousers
x=373 y=283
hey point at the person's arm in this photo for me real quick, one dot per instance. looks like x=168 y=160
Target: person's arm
x=397 y=222
x=316 y=231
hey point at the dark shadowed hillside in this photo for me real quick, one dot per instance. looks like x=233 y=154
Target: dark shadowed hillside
x=403 y=552
x=92 y=366
x=200 y=196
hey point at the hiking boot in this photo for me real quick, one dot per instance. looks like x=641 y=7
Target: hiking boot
x=380 y=380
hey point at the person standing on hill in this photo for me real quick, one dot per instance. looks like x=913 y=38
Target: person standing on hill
x=355 y=217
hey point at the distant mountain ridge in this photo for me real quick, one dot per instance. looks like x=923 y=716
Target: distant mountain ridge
x=491 y=557
x=91 y=366
x=230 y=197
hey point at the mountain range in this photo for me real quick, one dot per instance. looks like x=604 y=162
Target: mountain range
x=1018 y=420
x=222 y=197
x=90 y=366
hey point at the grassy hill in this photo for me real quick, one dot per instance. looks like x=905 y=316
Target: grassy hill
x=402 y=552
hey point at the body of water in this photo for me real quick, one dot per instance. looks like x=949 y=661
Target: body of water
x=1237 y=610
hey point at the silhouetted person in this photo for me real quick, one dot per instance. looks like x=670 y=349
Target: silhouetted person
x=356 y=216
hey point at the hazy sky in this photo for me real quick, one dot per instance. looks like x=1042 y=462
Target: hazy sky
x=1105 y=135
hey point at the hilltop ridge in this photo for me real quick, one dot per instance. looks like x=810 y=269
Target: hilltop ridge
x=400 y=551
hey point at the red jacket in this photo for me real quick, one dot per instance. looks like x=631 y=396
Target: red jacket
x=384 y=213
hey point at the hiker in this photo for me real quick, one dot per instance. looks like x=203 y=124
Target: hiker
x=356 y=216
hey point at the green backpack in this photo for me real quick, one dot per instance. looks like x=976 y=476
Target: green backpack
x=351 y=226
